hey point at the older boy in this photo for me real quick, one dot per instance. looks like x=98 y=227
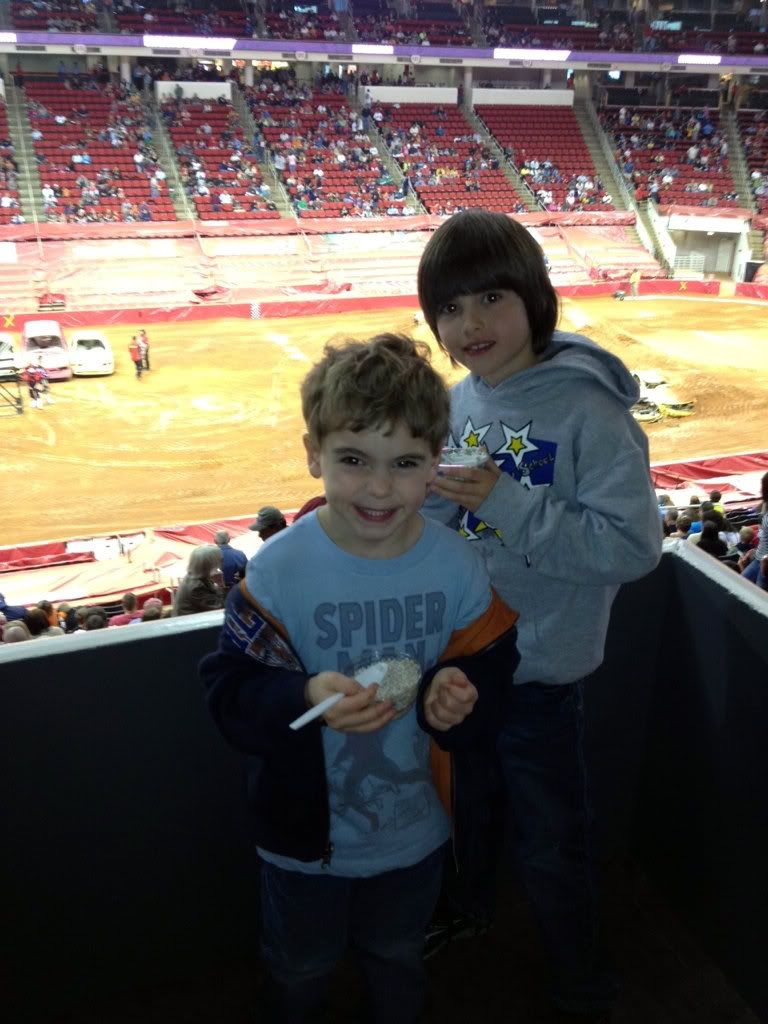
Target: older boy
x=563 y=512
x=350 y=828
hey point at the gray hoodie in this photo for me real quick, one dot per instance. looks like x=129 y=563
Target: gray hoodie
x=574 y=514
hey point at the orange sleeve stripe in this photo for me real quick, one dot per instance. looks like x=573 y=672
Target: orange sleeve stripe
x=493 y=623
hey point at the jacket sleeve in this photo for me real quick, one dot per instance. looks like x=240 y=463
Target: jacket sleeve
x=487 y=653
x=255 y=682
x=608 y=532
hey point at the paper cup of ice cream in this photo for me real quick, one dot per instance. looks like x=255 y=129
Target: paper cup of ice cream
x=397 y=678
x=463 y=457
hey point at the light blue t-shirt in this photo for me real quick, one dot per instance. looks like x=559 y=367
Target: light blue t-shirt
x=339 y=610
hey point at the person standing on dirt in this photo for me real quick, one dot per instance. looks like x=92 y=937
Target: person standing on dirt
x=134 y=351
x=143 y=341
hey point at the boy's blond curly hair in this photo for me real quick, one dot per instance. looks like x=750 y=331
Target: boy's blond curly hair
x=381 y=382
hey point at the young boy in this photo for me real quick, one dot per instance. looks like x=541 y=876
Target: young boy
x=563 y=512
x=350 y=828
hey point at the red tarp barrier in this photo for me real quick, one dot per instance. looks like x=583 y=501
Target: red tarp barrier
x=707 y=473
x=37 y=561
x=667 y=287
x=148 y=569
x=47 y=547
x=203 y=533
x=752 y=291
x=284 y=226
x=344 y=303
x=716 y=213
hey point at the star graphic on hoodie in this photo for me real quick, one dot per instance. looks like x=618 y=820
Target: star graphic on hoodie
x=517 y=444
x=472 y=436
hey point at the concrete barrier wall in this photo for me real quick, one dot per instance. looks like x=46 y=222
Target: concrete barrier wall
x=125 y=854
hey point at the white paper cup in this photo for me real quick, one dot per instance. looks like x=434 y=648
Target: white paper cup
x=468 y=458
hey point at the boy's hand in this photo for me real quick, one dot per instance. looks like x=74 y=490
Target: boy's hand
x=467 y=486
x=357 y=711
x=450 y=697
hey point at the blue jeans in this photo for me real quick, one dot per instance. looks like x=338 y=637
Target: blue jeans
x=752 y=573
x=542 y=760
x=309 y=920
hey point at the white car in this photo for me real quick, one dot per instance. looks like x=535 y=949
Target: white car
x=91 y=353
x=9 y=361
x=42 y=341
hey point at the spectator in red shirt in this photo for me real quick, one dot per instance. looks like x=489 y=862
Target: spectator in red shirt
x=129 y=612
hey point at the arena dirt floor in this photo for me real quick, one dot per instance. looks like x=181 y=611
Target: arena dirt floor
x=214 y=430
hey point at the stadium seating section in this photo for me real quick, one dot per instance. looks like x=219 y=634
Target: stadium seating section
x=543 y=133
x=54 y=15
x=753 y=126
x=692 y=186
x=457 y=145
x=206 y=134
x=431 y=22
x=207 y=20
x=281 y=22
x=6 y=153
x=306 y=132
x=88 y=113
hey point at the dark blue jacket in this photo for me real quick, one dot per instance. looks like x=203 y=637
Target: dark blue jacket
x=253 y=703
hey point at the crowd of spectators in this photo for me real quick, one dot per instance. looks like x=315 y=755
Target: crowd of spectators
x=44 y=621
x=738 y=539
x=583 y=190
x=320 y=150
x=10 y=212
x=54 y=15
x=96 y=154
x=753 y=126
x=498 y=32
x=430 y=24
x=282 y=22
x=442 y=157
x=133 y=17
x=218 y=167
x=413 y=23
x=672 y=155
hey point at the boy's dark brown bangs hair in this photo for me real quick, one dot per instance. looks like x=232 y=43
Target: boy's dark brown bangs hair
x=477 y=251
x=361 y=385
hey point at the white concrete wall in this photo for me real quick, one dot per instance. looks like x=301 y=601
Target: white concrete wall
x=716 y=223
x=524 y=97
x=203 y=90
x=411 y=94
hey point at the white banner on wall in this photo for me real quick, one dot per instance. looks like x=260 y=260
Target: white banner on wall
x=720 y=225
x=201 y=90
x=524 y=97
x=410 y=94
